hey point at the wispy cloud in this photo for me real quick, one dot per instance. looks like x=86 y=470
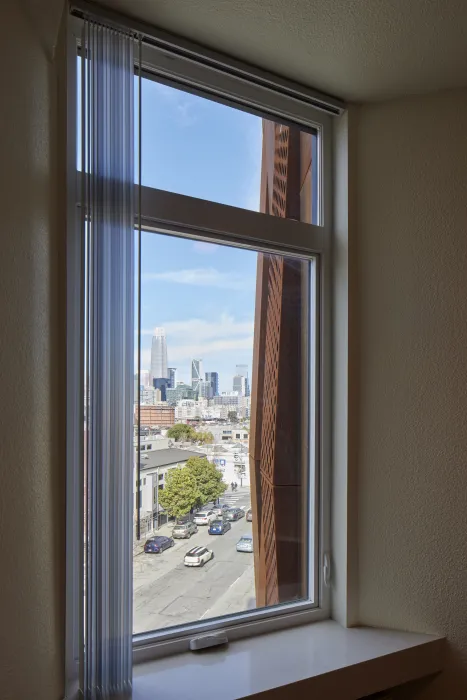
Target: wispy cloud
x=204 y=277
x=185 y=108
x=196 y=337
x=223 y=327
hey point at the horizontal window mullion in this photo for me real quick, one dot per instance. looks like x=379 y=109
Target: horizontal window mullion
x=161 y=210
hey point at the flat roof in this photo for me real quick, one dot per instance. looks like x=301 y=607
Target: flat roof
x=170 y=455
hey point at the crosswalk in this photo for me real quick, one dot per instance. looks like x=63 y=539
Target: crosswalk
x=231 y=498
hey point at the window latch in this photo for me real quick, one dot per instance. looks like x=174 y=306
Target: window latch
x=208 y=640
x=327 y=569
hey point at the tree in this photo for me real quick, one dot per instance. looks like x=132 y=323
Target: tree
x=181 y=433
x=206 y=438
x=232 y=416
x=208 y=479
x=180 y=493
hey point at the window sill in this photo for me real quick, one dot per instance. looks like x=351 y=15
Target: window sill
x=322 y=659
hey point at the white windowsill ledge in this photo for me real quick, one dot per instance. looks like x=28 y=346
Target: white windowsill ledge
x=318 y=660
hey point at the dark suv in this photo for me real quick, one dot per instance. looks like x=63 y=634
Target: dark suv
x=218 y=527
x=157 y=544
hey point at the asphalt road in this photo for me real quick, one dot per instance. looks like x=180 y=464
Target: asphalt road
x=167 y=593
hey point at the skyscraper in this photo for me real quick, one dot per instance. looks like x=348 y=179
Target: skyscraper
x=172 y=377
x=213 y=378
x=159 y=355
x=239 y=384
x=242 y=370
x=196 y=373
x=205 y=390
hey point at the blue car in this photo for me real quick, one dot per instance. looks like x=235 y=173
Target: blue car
x=156 y=545
x=218 y=527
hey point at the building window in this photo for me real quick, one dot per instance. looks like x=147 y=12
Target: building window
x=204 y=238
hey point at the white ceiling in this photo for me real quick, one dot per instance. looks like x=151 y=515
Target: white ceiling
x=355 y=49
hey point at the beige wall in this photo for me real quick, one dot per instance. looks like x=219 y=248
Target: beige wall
x=412 y=412
x=31 y=502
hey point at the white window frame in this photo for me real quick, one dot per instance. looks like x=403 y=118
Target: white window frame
x=177 y=62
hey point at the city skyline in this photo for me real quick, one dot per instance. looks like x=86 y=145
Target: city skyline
x=159 y=363
x=203 y=294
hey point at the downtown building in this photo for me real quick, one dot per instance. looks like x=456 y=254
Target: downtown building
x=213 y=379
x=277 y=438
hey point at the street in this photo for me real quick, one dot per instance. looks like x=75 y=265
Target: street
x=167 y=593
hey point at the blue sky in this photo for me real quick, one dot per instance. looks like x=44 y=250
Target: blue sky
x=203 y=294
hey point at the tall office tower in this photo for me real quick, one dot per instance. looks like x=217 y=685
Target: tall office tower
x=196 y=373
x=243 y=371
x=159 y=355
x=144 y=378
x=205 y=390
x=161 y=384
x=239 y=384
x=213 y=378
x=172 y=377
x=277 y=443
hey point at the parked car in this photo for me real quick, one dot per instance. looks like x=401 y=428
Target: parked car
x=182 y=519
x=245 y=543
x=235 y=514
x=185 y=531
x=218 y=527
x=249 y=515
x=204 y=517
x=157 y=544
x=221 y=509
x=198 y=556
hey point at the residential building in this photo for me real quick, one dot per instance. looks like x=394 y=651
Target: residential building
x=213 y=378
x=196 y=374
x=159 y=355
x=227 y=398
x=190 y=409
x=154 y=466
x=150 y=395
x=161 y=415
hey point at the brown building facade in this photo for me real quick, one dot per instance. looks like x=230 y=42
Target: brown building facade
x=160 y=415
x=279 y=433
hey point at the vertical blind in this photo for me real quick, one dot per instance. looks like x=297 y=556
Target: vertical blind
x=107 y=139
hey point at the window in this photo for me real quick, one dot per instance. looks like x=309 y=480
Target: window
x=230 y=275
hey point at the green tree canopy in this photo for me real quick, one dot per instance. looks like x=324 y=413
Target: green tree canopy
x=206 y=438
x=181 y=433
x=232 y=416
x=208 y=479
x=180 y=493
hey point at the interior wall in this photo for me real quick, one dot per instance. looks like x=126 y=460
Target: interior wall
x=31 y=468
x=412 y=434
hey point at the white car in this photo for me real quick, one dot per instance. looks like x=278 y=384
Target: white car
x=204 y=517
x=245 y=544
x=198 y=556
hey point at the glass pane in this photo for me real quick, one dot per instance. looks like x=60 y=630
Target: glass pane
x=201 y=148
x=226 y=447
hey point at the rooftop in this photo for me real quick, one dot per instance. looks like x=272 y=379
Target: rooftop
x=171 y=455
